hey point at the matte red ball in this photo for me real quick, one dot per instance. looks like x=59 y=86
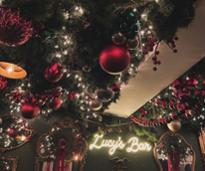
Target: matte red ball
x=30 y=111
x=114 y=59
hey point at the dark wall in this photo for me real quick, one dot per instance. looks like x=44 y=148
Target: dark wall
x=97 y=160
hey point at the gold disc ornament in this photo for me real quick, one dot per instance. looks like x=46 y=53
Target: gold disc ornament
x=12 y=71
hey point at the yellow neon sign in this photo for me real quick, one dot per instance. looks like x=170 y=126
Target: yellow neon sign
x=133 y=145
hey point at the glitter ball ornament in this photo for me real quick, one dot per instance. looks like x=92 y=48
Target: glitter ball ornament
x=96 y=105
x=54 y=73
x=105 y=95
x=30 y=111
x=118 y=39
x=14 y=30
x=133 y=44
x=3 y=83
x=114 y=59
x=174 y=126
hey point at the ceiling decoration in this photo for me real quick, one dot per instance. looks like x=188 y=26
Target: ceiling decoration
x=79 y=54
x=183 y=99
x=147 y=84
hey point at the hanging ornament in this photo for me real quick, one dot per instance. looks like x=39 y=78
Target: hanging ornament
x=132 y=44
x=56 y=103
x=12 y=71
x=174 y=126
x=105 y=95
x=14 y=30
x=119 y=39
x=11 y=132
x=72 y=96
x=3 y=83
x=96 y=105
x=30 y=111
x=86 y=68
x=116 y=87
x=54 y=73
x=114 y=59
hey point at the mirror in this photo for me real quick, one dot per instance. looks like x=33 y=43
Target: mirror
x=173 y=153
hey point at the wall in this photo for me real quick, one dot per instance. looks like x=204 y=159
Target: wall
x=97 y=160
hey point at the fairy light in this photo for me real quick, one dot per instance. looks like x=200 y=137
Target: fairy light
x=78 y=11
x=144 y=16
x=66 y=15
x=76 y=157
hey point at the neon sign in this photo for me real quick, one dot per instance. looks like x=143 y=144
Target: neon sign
x=133 y=145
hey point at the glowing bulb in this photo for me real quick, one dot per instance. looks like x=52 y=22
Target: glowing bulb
x=10 y=69
x=144 y=16
x=150 y=27
x=142 y=32
x=23 y=138
x=78 y=11
x=66 y=15
x=76 y=157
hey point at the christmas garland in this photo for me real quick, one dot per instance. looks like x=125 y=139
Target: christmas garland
x=183 y=99
x=64 y=139
x=78 y=53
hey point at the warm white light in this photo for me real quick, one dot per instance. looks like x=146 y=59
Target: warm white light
x=23 y=138
x=76 y=158
x=10 y=69
x=131 y=146
x=79 y=11
x=66 y=15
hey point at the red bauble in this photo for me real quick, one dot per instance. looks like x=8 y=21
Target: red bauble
x=54 y=73
x=29 y=111
x=14 y=30
x=3 y=83
x=72 y=96
x=116 y=87
x=114 y=59
x=56 y=103
x=11 y=132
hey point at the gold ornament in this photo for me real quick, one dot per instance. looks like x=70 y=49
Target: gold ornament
x=12 y=71
x=174 y=126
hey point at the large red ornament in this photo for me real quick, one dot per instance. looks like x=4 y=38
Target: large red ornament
x=54 y=73
x=3 y=83
x=29 y=111
x=114 y=59
x=14 y=30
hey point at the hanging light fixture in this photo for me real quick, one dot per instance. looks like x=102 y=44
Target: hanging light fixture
x=12 y=71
